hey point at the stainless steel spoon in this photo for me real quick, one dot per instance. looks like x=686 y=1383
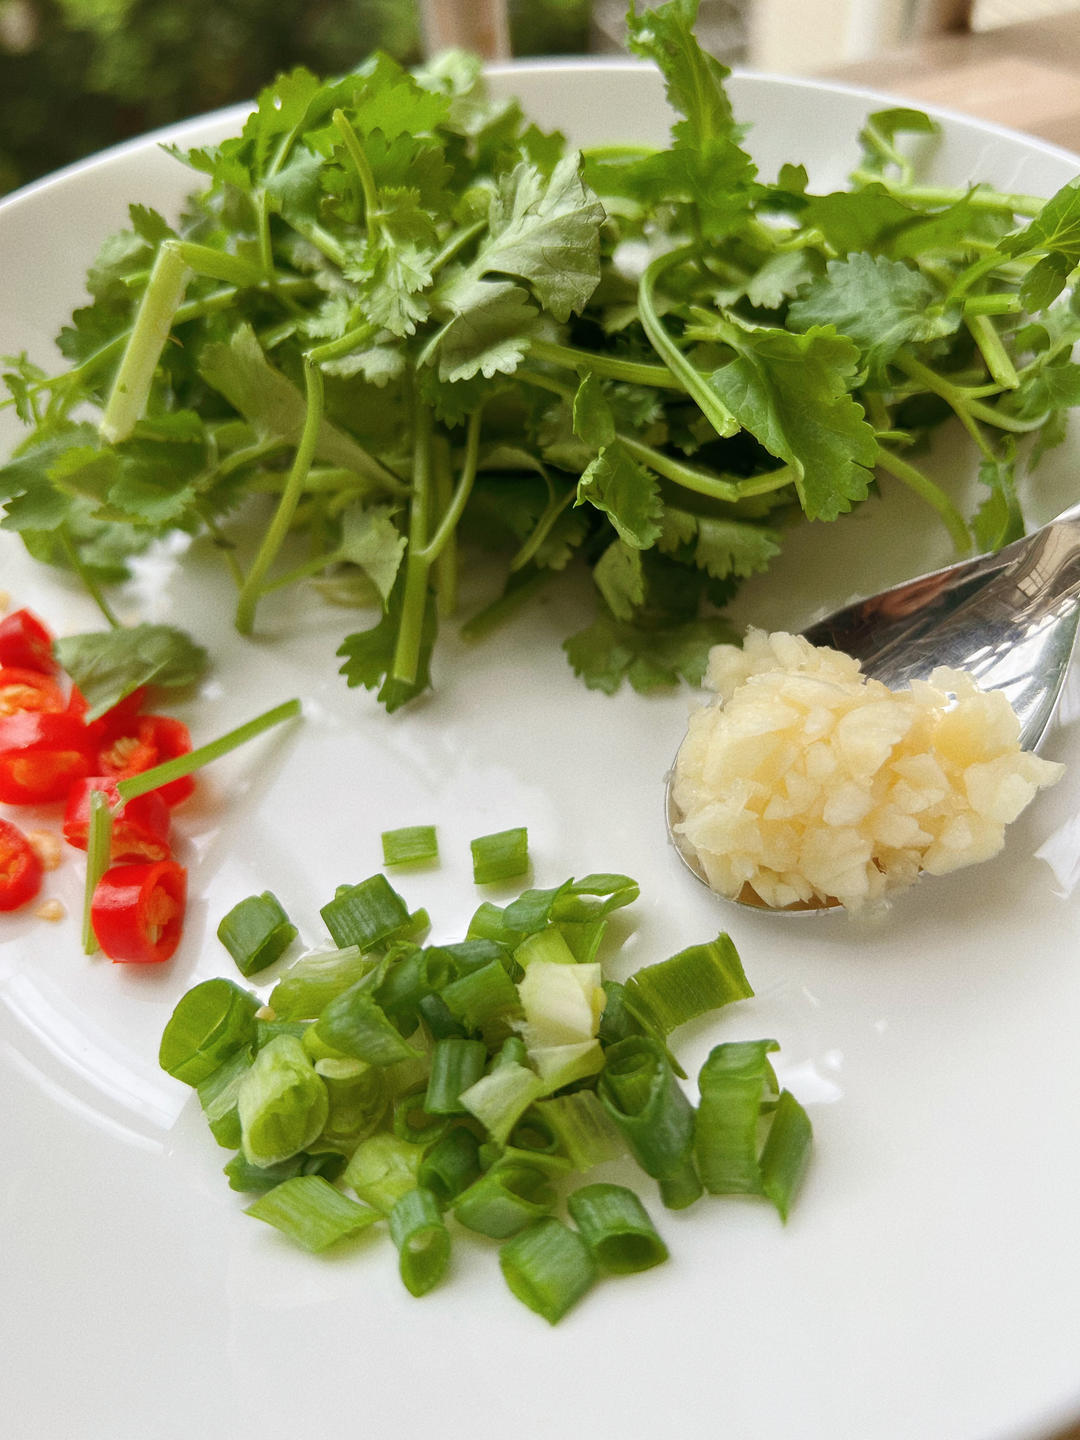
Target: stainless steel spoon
x=1008 y=619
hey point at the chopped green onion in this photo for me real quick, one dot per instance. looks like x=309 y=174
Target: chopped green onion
x=311 y=982
x=312 y=1212
x=450 y=1165
x=639 y=1090
x=469 y=955
x=561 y=1065
x=410 y=844
x=258 y=1179
x=499 y=1099
x=585 y=1132
x=583 y=937
x=562 y=1003
x=256 y=932
x=626 y=1014
x=412 y=974
x=548 y=1267
x=593 y=896
x=423 y=1241
x=437 y=1017
x=217 y=1096
x=504 y=1200
x=503 y=855
x=98 y=853
x=358 y=1096
x=413 y=1122
x=616 y=1227
x=456 y=1064
x=489 y=923
x=532 y=909
x=283 y=1103
x=549 y=945
x=382 y=1169
x=195 y=759
x=482 y=997
x=787 y=1152
x=691 y=983
x=355 y=1024
x=265 y=1030
x=366 y=914
x=511 y=1052
x=210 y=1022
x=733 y=1082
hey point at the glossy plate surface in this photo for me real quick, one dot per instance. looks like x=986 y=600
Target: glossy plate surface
x=928 y=1282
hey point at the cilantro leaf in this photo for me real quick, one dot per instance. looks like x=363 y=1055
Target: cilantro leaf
x=879 y=303
x=626 y=492
x=268 y=400
x=792 y=393
x=371 y=540
x=545 y=231
x=694 y=79
x=488 y=330
x=607 y=652
x=1054 y=231
x=619 y=577
x=368 y=655
x=718 y=545
x=107 y=665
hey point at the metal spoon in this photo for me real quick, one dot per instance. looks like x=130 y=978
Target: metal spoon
x=1008 y=619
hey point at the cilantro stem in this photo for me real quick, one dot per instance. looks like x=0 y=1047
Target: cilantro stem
x=98 y=847
x=633 y=372
x=953 y=395
x=410 y=631
x=334 y=349
x=1000 y=304
x=693 y=381
x=433 y=548
x=93 y=589
x=283 y=516
x=979 y=198
x=153 y=321
x=986 y=337
x=542 y=529
x=168 y=770
x=218 y=264
x=927 y=490
x=445 y=565
x=363 y=169
x=456 y=244
x=701 y=482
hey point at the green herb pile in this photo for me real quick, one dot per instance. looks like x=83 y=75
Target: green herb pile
x=439 y=1089
x=401 y=319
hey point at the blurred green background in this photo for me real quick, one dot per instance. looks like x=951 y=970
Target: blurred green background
x=77 y=75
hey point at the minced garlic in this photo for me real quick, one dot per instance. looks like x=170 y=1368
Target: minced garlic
x=811 y=784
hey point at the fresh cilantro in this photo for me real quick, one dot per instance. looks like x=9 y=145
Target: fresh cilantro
x=108 y=665
x=400 y=317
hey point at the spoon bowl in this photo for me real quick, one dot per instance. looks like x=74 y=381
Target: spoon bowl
x=1008 y=619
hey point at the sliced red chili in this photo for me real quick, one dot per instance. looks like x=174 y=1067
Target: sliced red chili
x=26 y=643
x=115 y=721
x=148 y=741
x=140 y=828
x=41 y=756
x=137 y=911
x=20 y=868
x=24 y=689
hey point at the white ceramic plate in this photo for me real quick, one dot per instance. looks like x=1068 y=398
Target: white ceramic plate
x=928 y=1283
